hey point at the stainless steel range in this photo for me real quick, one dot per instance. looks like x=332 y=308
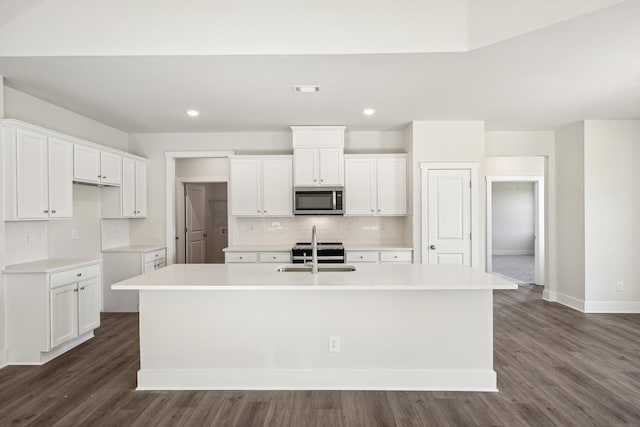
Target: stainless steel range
x=328 y=252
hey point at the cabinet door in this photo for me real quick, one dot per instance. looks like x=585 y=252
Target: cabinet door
x=305 y=162
x=128 y=188
x=331 y=166
x=32 y=175
x=277 y=187
x=88 y=305
x=64 y=313
x=110 y=168
x=150 y=266
x=60 y=178
x=86 y=164
x=245 y=187
x=360 y=186
x=141 y=189
x=392 y=186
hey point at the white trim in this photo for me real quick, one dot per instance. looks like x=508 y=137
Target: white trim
x=632 y=307
x=511 y=252
x=317 y=379
x=539 y=250
x=3 y=358
x=170 y=191
x=475 y=211
x=571 y=302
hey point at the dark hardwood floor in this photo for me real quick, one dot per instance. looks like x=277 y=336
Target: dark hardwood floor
x=555 y=366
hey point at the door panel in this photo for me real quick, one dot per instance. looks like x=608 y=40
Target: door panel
x=60 y=178
x=141 y=189
x=277 y=187
x=128 y=188
x=392 y=186
x=88 y=305
x=32 y=175
x=245 y=187
x=305 y=162
x=86 y=164
x=449 y=216
x=331 y=166
x=360 y=186
x=195 y=216
x=64 y=313
x=110 y=168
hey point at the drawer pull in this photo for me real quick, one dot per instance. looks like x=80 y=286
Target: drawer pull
x=75 y=290
x=82 y=288
x=79 y=274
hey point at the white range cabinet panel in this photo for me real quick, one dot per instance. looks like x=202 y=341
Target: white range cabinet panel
x=38 y=173
x=262 y=257
x=382 y=256
x=261 y=186
x=129 y=200
x=318 y=153
x=52 y=306
x=93 y=166
x=376 y=185
x=122 y=263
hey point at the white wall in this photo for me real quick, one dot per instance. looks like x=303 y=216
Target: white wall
x=3 y=352
x=526 y=148
x=217 y=222
x=570 y=206
x=513 y=215
x=195 y=27
x=444 y=142
x=612 y=210
x=491 y=21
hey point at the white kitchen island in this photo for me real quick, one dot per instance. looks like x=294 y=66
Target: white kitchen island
x=246 y=326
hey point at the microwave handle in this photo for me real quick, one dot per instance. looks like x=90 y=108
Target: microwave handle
x=335 y=202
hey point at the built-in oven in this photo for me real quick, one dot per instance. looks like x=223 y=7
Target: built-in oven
x=318 y=201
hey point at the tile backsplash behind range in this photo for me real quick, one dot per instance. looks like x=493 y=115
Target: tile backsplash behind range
x=348 y=230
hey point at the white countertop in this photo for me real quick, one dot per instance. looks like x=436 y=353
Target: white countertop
x=135 y=248
x=48 y=265
x=260 y=248
x=265 y=277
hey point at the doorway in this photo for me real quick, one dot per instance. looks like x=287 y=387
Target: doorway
x=205 y=228
x=515 y=228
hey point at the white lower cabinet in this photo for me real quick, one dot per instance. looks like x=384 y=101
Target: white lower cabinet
x=257 y=257
x=49 y=312
x=380 y=257
x=125 y=262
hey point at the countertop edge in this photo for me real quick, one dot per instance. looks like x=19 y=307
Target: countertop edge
x=56 y=269
x=142 y=287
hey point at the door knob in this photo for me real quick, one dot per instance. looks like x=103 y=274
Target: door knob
x=432 y=247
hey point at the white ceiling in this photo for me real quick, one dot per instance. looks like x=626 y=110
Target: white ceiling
x=584 y=68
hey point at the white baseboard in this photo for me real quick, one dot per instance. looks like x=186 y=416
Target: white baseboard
x=575 y=303
x=40 y=358
x=513 y=252
x=317 y=379
x=3 y=358
x=632 y=307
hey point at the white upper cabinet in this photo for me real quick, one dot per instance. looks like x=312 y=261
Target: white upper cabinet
x=128 y=188
x=86 y=164
x=261 y=186
x=376 y=184
x=318 y=156
x=60 y=178
x=110 y=168
x=141 y=189
x=90 y=165
x=38 y=172
x=130 y=199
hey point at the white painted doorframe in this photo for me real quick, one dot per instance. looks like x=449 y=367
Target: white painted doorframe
x=539 y=255
x=170 y=191
x=475 y=210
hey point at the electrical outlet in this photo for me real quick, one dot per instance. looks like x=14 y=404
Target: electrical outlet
x=27 y=237
x=334 y=344
x=251 y=228
x=224 y=231
x=74 y=234
x=620 y=286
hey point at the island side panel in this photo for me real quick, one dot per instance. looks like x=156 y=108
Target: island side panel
x=389 y=340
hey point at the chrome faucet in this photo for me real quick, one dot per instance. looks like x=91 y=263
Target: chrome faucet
x=314 y=251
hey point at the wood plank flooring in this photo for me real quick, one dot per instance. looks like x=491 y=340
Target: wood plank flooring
x=555 y=367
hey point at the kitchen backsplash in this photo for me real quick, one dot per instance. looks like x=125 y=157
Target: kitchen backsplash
x=387 y=231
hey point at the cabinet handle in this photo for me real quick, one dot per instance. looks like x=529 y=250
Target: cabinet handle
x=79 y=274
x=240 y=257
x=75 y=290
x=395 y=256
x=258 y=210
x=322 y=180
x=274 y=257
x=265 y=211
x=372 y=210
x=315 y=180
x=82 y=288
x=53 y=211
x=46 y=211
x=361 y=257
x=156 y=255
x=98 y=176
x=378 y=210
x=104 y=177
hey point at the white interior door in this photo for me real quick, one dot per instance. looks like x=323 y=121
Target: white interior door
x=195 y=213
x=449 y=216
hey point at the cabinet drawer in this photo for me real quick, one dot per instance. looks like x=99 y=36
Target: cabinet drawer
x=363 y=256
x=154 y=256
x=395 y=256
x=74 y=275
x=275 y=257
x=233 y=257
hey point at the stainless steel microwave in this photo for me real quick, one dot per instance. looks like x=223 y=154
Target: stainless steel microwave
x=318 y=201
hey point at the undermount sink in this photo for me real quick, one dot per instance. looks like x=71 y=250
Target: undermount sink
x=307 y=268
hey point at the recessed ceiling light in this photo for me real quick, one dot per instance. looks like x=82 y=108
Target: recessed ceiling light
x=193 y=113
x=307 y=89
x=369 y=111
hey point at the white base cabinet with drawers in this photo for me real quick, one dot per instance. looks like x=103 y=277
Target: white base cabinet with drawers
x=233 y=257
x=123 y=263
x=379 y=256
x=50 y=311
